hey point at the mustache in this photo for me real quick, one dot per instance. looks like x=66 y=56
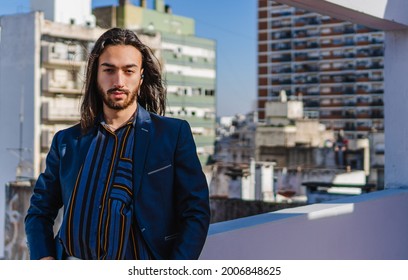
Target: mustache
x=118 y=89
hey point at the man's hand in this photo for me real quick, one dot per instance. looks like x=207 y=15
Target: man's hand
x=48 y=258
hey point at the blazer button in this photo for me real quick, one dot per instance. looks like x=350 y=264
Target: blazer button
x=143 y=229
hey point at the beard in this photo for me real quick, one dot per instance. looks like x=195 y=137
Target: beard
x=117 y=105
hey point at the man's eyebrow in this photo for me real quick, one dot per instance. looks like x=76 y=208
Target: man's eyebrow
x=130 y=65
x=106 y=64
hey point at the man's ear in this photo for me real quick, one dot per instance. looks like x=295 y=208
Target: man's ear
x=141 y=77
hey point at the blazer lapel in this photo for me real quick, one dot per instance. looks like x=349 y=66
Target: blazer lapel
x=84 y=143
x=75 y=157
x=142 y=139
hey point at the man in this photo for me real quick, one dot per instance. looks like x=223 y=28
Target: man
x=129 y=180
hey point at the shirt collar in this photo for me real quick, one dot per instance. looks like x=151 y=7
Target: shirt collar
x=132 y=120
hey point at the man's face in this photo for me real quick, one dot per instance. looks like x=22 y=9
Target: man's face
x=119 y=76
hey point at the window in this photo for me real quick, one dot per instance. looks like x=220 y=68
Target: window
x=209 y=92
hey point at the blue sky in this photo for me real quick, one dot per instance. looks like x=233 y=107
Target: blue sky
x=231 y=23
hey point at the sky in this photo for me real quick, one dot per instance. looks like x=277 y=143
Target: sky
x=231 y=23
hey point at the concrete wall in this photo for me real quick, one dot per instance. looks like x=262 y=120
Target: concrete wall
x=367 y=227
x=395 y=109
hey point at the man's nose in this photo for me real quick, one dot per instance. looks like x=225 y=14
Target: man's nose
x=119 y=80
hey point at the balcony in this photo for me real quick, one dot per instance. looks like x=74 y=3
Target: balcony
x=305 y=56
x=281 y=70
x=362 y=89
x=331 y=104
x=64 y=87
x=331 y=44
x=199 y=101
x=287 y=81
x=365 y=227
x=306 y=45
x=281 y=14
x=363 y=103
x=178 y=79
x=362 y=78
x=329 y=20
x=331 y=90
x=199 y=122
x=64 y=110
x=377 y=114
x=299 y=12
x=363 y=29
x=306 y=67
x=307 y=21
x=281 y=35
x=331 y=115
x=305 y=33
x=281 y=46
x=364 y=128
x=282 y=58
x=305 y=79
x=331 y=31
x=363 y=115
x=331 y=79
x=363 y=40
x=51 y=58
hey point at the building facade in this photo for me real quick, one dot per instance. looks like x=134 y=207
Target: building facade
x=189 y=64
x=336 y=66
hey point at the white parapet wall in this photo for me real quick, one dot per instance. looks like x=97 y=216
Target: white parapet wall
x=368 y=227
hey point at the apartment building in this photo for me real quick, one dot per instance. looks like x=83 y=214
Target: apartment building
x=189 y=63
x=335 y=66
x=41 y=74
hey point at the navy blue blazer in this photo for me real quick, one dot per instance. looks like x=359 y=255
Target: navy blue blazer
x=171 y=203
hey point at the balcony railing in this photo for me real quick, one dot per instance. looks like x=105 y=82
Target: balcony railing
x=60 y=112
x=66 y=87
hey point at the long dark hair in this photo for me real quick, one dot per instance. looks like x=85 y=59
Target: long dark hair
x=152 y=94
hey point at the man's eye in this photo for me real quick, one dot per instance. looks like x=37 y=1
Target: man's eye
x=108 y=70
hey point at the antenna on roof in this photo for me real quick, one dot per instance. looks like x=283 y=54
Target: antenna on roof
x=24 y=167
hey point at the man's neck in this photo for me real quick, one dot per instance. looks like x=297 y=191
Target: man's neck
x=116 y=118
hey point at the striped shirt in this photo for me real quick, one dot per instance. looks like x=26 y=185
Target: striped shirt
x=99 y=221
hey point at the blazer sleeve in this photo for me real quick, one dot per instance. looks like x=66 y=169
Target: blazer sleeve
x=45 y=203
x=191 y=197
